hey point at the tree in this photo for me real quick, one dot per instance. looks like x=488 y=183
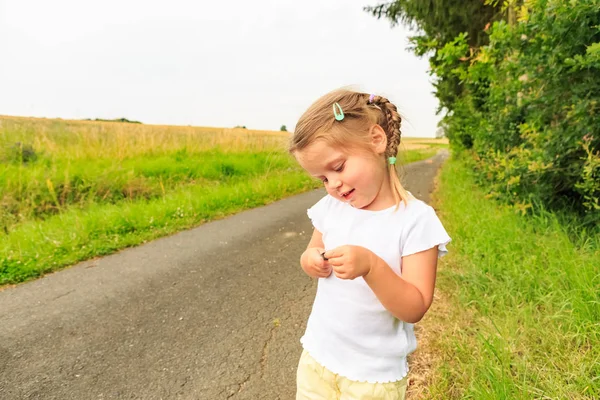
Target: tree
x=442 y=20
x=439 y=22
x=518 y=82
x=283 y=128
x=440 y=133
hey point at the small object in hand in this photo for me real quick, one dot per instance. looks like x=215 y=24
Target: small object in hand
x=323 y=255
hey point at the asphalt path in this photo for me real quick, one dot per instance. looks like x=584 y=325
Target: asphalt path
x=215 y=312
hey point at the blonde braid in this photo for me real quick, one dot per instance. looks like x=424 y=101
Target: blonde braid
x=391 y=121
x=391 y=124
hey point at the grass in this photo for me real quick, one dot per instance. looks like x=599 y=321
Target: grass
x=38 y=247
x=49 y=165
x=407 y=157
x=519 y=315
x=73 y=190
x=47 y=186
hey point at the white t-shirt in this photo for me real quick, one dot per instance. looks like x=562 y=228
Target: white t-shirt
x=349 y=331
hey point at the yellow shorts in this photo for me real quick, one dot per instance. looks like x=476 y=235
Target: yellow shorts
x=315 y=382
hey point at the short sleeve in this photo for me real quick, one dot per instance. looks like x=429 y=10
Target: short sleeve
x=424 y=231
x=318 y=213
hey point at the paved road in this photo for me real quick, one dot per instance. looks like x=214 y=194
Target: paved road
x=215 y=312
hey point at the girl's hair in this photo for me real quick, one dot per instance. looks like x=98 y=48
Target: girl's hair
x=361 y=112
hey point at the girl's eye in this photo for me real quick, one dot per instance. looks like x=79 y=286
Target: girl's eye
x=324 y=180
x=340 y=168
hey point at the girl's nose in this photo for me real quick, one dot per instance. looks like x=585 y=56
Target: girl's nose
x=336 y=183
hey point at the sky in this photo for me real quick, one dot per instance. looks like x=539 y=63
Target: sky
x=257 y=63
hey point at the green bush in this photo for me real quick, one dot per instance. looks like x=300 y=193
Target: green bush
x=530 y=103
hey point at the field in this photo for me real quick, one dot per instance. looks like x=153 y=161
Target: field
x=72 y=190
x=423 y=143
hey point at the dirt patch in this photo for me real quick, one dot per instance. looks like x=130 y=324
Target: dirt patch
x=425 y=359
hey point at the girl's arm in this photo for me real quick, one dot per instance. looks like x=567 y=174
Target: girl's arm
x=408 y=297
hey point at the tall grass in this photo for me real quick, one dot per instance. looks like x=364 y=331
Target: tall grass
x=524 y=315
x=71 y=190
x=47 y=186
x=50 y=165
x=36 y=247
x=91 y=139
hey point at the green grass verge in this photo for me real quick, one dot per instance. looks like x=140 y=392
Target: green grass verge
x=38 y=247
x=523 y=317
x=47 y=186
x=83 y=230
x=407 y=157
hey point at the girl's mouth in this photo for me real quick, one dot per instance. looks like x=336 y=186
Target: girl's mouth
x=348 y=194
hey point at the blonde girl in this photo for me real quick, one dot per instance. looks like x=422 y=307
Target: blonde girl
x=374 y=250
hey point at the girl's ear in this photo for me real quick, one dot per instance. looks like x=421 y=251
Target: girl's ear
x=378 y=139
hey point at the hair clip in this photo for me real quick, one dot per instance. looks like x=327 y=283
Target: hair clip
x=337 y=112
x=371 y=98
x=392 y=160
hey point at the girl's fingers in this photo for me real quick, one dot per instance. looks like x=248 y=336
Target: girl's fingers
x=336 y=262
x=334 y=253
x=322 y=271
x=319 y=262
x=341 y=275
x=339 y=272
x=323 y=274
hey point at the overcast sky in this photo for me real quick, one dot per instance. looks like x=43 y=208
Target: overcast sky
x=257 y=63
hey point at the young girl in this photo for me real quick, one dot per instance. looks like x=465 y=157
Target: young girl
x=374 y=249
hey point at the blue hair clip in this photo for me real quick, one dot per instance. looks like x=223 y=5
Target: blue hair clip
x=337 y=112
x=392 y=160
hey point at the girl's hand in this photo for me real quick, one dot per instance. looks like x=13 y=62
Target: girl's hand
x=350 y=262
x=314 y=264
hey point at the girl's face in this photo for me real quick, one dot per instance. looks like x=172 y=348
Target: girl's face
x=355 y=176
